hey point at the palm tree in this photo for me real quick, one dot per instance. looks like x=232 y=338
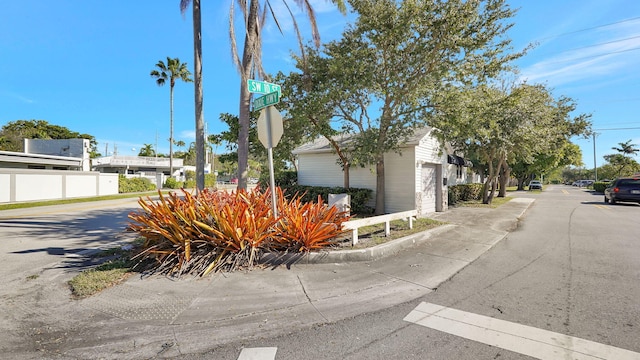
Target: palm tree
x=173 y=70
x=627 y=148
x=250 y=65
x=147 y=150
x=197 y=61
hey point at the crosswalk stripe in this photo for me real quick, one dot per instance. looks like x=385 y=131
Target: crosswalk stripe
x=262 y=353
x=527 y=340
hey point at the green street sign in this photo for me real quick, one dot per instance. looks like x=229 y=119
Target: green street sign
x=263 y=87
x=266 y=100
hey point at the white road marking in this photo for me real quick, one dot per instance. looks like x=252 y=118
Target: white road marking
x=264 y=353
x=527 y=340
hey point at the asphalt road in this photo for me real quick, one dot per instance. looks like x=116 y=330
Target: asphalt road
x=570 y=270
x=33 y=239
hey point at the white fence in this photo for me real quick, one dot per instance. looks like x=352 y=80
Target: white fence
x=353 y=225
x=19 y=185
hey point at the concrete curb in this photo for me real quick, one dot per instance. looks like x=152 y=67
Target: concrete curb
x=368 y=254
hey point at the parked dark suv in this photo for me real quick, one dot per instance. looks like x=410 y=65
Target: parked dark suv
x=623 y=189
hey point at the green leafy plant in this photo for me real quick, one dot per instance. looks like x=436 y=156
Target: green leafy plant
x=126 y=185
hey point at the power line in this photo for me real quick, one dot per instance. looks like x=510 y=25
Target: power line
x=629 y=128
x=591 y=28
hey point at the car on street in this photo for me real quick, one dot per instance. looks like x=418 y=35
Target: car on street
x=535 y=185
x=626 y=189
x=583 y=183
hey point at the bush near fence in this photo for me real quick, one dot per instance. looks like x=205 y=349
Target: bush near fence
x=134 y=184
x=288 y=180
x=464 y=192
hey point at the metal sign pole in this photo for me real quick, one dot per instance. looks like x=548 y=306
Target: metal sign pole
x=271 y=174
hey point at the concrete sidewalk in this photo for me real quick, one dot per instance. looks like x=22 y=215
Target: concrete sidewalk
x=163 y=317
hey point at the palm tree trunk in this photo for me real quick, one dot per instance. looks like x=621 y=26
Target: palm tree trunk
x=171 y=132
x=245 y=97
x=197 y=60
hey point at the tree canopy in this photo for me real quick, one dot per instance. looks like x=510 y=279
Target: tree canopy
x=13 y=133
x=380 y=78
x=523 y=126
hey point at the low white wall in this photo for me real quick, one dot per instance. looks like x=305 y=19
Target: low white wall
x=18 y=185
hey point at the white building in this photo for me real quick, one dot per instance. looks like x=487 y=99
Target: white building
x=50 y=170
x=417 y=178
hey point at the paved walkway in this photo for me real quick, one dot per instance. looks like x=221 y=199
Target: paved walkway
x=163 y=317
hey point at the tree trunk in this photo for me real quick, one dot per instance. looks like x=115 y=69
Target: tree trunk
x=245 y=95
x=379 y=185
x=197 y=60
x=345 y=171
x=171 y=131
x=505 y=175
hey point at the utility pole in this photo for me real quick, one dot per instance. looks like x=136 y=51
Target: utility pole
x=595 y=166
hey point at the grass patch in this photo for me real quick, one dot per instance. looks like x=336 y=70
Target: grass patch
x=95 y=280
x=373 y=235
x=73 y=201
x=113 y=271
x=33 y=277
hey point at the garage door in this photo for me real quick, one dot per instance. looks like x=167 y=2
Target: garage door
x=428 y=177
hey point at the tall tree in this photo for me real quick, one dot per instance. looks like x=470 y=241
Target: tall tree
x=173 y=70
x=623 y=160
x=198 y=96
x=626 y=148
x=249 y=65
x=398 y=54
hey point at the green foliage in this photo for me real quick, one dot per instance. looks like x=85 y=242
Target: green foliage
x=172 y=183
x=359 y=197
x=134 y=184
x=283 y=179
x=600 y=186
x=464 y=192
x=410 y=57
x=147 y=150
x=13 y=133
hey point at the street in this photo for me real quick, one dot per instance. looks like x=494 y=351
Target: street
x=563 y=284
x=571 y=268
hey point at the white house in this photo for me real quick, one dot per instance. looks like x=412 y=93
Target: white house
x=416 y=178
x=50 y=170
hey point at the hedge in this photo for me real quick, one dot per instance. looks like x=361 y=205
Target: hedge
x=464 y=192
x=134 y=184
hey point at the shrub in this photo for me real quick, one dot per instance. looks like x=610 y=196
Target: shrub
x=359 y=197
x=600 y=186
x=172 y=183
x=190 y=175
x=215 y=230
x=282 y=179
x=134 y=184
x=464 y=192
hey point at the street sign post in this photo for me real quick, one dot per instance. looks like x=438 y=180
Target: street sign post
x=263 y=87
x=270 y=129
x=266 y=100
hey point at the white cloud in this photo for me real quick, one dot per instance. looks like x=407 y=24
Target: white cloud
x=188 y=135
x=610 y=50
x=18 y=97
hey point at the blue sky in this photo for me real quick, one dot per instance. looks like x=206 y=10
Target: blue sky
x=85 y=64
